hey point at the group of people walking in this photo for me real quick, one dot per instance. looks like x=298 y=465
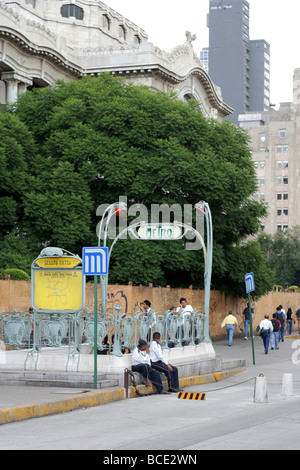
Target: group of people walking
x=272 y=331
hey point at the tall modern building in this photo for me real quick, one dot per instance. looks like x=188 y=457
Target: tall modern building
x=239 y=66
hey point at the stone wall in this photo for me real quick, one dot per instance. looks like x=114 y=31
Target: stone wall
x=17 y=295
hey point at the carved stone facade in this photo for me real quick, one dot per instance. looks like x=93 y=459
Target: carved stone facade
x=42 y=41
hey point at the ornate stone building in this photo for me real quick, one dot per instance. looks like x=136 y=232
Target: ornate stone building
x=42 y=41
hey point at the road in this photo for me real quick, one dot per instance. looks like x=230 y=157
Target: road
x=227 y=419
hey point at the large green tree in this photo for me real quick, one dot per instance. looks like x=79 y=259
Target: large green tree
x=97 y=139
x=282 y=252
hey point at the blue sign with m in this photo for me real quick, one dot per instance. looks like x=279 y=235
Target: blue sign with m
x=249 y=281
x=95 y=261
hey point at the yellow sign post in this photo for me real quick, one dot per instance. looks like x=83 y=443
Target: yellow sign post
x=57 y=284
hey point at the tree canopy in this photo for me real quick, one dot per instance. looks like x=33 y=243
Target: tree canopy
x=68 y=149
x=282 y=252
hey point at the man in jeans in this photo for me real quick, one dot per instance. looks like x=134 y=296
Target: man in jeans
x=298 y=316
x=230 y=321
x=275 y=336
x=246 y=314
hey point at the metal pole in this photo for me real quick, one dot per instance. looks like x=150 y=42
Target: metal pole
x=251 y=328
x=95 y=330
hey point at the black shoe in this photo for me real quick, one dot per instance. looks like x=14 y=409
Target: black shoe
x=173 y=390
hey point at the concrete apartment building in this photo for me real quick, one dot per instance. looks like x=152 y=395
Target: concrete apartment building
x=275 y=140
x=240 y=66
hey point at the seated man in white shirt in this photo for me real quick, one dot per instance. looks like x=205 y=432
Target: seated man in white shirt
x=141 y=363
x=159 y=363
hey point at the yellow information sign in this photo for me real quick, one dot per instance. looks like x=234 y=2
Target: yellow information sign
x=66 y=262
x=58 y=290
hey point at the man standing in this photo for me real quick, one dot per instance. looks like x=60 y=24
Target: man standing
x=141 y=363
x=160 y=364
x=230 y=321
x=184 y=314
x=266 y=328
x=298 y=316
x=281 y=317
x=246 y=314
x=276 y=332
x=150 y=314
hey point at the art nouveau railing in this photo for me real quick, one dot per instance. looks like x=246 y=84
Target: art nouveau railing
x=116 y=333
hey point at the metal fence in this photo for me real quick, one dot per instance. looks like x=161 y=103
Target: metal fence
x=116 y=334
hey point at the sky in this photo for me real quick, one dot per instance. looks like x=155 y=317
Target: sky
x=276 y=21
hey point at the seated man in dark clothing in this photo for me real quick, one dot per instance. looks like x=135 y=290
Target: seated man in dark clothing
x=159 y=363
x=141 y=363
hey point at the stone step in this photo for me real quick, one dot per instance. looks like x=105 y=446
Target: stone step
x=229 y=364
x=55 y=379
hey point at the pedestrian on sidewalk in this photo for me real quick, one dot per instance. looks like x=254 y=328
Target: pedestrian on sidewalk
x=266 y=328
x=276 y=332
x=141 y=363
x=289 y=321
x=282 y=318
x=246 y=314
x=230 y=321
x=298 y=317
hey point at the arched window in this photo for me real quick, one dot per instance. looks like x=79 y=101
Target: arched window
x=106 y=22
x=68 y=11
x=122 y=32
x=137 y=39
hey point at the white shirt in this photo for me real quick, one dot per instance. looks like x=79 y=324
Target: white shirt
x=156 y=354
x=186 y=313
x=266 y=325
x=140 y=357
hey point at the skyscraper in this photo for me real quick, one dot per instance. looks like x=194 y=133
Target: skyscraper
x=238 y=65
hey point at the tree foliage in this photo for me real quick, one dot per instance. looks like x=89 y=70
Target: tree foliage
x=282 y=252
x=84 y=143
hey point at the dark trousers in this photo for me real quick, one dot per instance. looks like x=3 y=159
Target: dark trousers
x=172 y=376
x=149 y=373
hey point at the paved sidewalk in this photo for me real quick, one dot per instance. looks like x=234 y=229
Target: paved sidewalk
x=22 y=402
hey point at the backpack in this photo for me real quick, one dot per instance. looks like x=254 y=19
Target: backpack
x=280 y=317
x=276 y=327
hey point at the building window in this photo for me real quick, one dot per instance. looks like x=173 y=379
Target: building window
x=262 y=137
x=279 y=165
x=285 y=149
x=263 y=228
x=137 y=39
x=278 y=148
x=279 y=212
x=31 y=2
x=262 y=181
x=279 y=180
x=285 y=196
x=262 y=196
x=262 y=165
x=68 y=11
x=285 y=227
x=106 y=23
x=285 y=212
x=282 y=133
x=285 y=180
x=285 y=164
x=279 y=227
x=279 y=196
x=122 y=32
